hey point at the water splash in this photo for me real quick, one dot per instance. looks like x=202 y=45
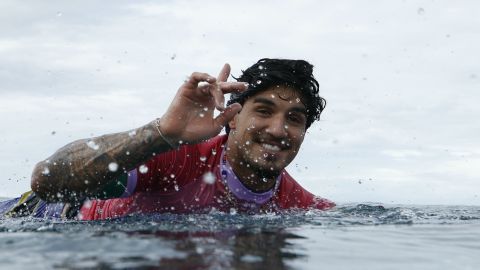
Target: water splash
x=113 y=166
x=46 y=171
x=143 y=169
x=93 y=145
x=209 y=178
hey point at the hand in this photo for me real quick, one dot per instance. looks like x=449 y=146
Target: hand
x=189 y=119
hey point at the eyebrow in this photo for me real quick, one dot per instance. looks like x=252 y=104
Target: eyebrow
x=265 y=101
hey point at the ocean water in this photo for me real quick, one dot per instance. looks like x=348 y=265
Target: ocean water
x=361 y=236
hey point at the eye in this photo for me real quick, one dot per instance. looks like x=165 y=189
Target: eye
x=263 y=112
x=296 y=118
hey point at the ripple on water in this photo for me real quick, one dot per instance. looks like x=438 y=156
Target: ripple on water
x=221 y=240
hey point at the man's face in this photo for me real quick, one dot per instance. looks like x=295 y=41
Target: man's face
x=266 y=135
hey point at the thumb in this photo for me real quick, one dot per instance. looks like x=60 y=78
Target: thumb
x=225 y=116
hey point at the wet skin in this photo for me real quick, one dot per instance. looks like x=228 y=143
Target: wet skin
x=266 y=136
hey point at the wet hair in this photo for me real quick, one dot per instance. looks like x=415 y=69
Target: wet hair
x=296 y=74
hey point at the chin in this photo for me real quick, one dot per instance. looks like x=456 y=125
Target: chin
x=267 y=168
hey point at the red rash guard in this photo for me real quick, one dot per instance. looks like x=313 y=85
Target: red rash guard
x=175 y=182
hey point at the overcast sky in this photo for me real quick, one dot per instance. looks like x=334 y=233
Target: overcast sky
x=401 y=78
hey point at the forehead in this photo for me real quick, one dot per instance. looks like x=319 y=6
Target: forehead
x=280 y=95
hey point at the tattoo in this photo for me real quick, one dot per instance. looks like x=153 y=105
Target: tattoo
x=83 y=168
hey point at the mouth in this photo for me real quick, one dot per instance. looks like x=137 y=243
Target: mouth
x=271 y=147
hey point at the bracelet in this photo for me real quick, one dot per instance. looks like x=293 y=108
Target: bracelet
x=157 y=126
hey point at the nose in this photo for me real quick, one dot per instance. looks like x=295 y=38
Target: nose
x=277 y=127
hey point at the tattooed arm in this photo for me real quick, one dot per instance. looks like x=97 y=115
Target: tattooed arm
x=83 y=168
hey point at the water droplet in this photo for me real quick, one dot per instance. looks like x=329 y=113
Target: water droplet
x=173 y=57
x=286 y=126
x=46 y=171
x=127 y=153
x=143 y=169
x=421 y=11
x=260 y=67
x=283 y=142
x=265 y=155
x=113 y=166
x=59 y=14
x=247 y=142
x=233 y=211
x=54 y=132
x=264 y=179
x=180 y=142
x=259 y=81
x=92 y=145
x=201 y=114
x=205 y=109
x=87 y=204
x=176 y=188
x=172 y=175
x=297 y=100
x=203 y=158
x=214 y=152
x=132 y=133
x=209 y=178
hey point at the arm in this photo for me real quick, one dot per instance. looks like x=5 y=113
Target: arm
x=82 y=168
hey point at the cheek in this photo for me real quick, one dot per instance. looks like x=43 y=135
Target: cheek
x=298 y=135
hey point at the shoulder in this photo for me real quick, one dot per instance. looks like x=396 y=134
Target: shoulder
x=292 y=195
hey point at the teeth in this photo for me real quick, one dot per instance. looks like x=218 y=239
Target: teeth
x=271 y=147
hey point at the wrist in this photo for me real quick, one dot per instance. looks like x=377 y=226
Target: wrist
x=167 y=140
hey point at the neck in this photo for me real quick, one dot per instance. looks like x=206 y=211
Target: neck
x=251 y=179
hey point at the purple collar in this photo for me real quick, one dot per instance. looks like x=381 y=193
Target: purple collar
x=239 y=190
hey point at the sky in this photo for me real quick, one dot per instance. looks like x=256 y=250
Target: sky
x=401 y=79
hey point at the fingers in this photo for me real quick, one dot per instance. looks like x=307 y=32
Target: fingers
x=224 y=73
x=197 y=77
x=232 y=87
x=218 y=91
x=219 y=98
x=224 y=117
x=215 y=87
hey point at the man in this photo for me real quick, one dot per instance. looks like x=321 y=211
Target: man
x=180 y=164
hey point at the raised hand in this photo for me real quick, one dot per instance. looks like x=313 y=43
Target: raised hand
x=190 y=117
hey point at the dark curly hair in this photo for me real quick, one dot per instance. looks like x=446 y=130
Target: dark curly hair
x=296 y=74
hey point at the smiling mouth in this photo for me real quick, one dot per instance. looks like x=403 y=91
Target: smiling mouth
x=271 y=147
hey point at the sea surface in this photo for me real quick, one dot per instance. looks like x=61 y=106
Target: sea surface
x=357 y=236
